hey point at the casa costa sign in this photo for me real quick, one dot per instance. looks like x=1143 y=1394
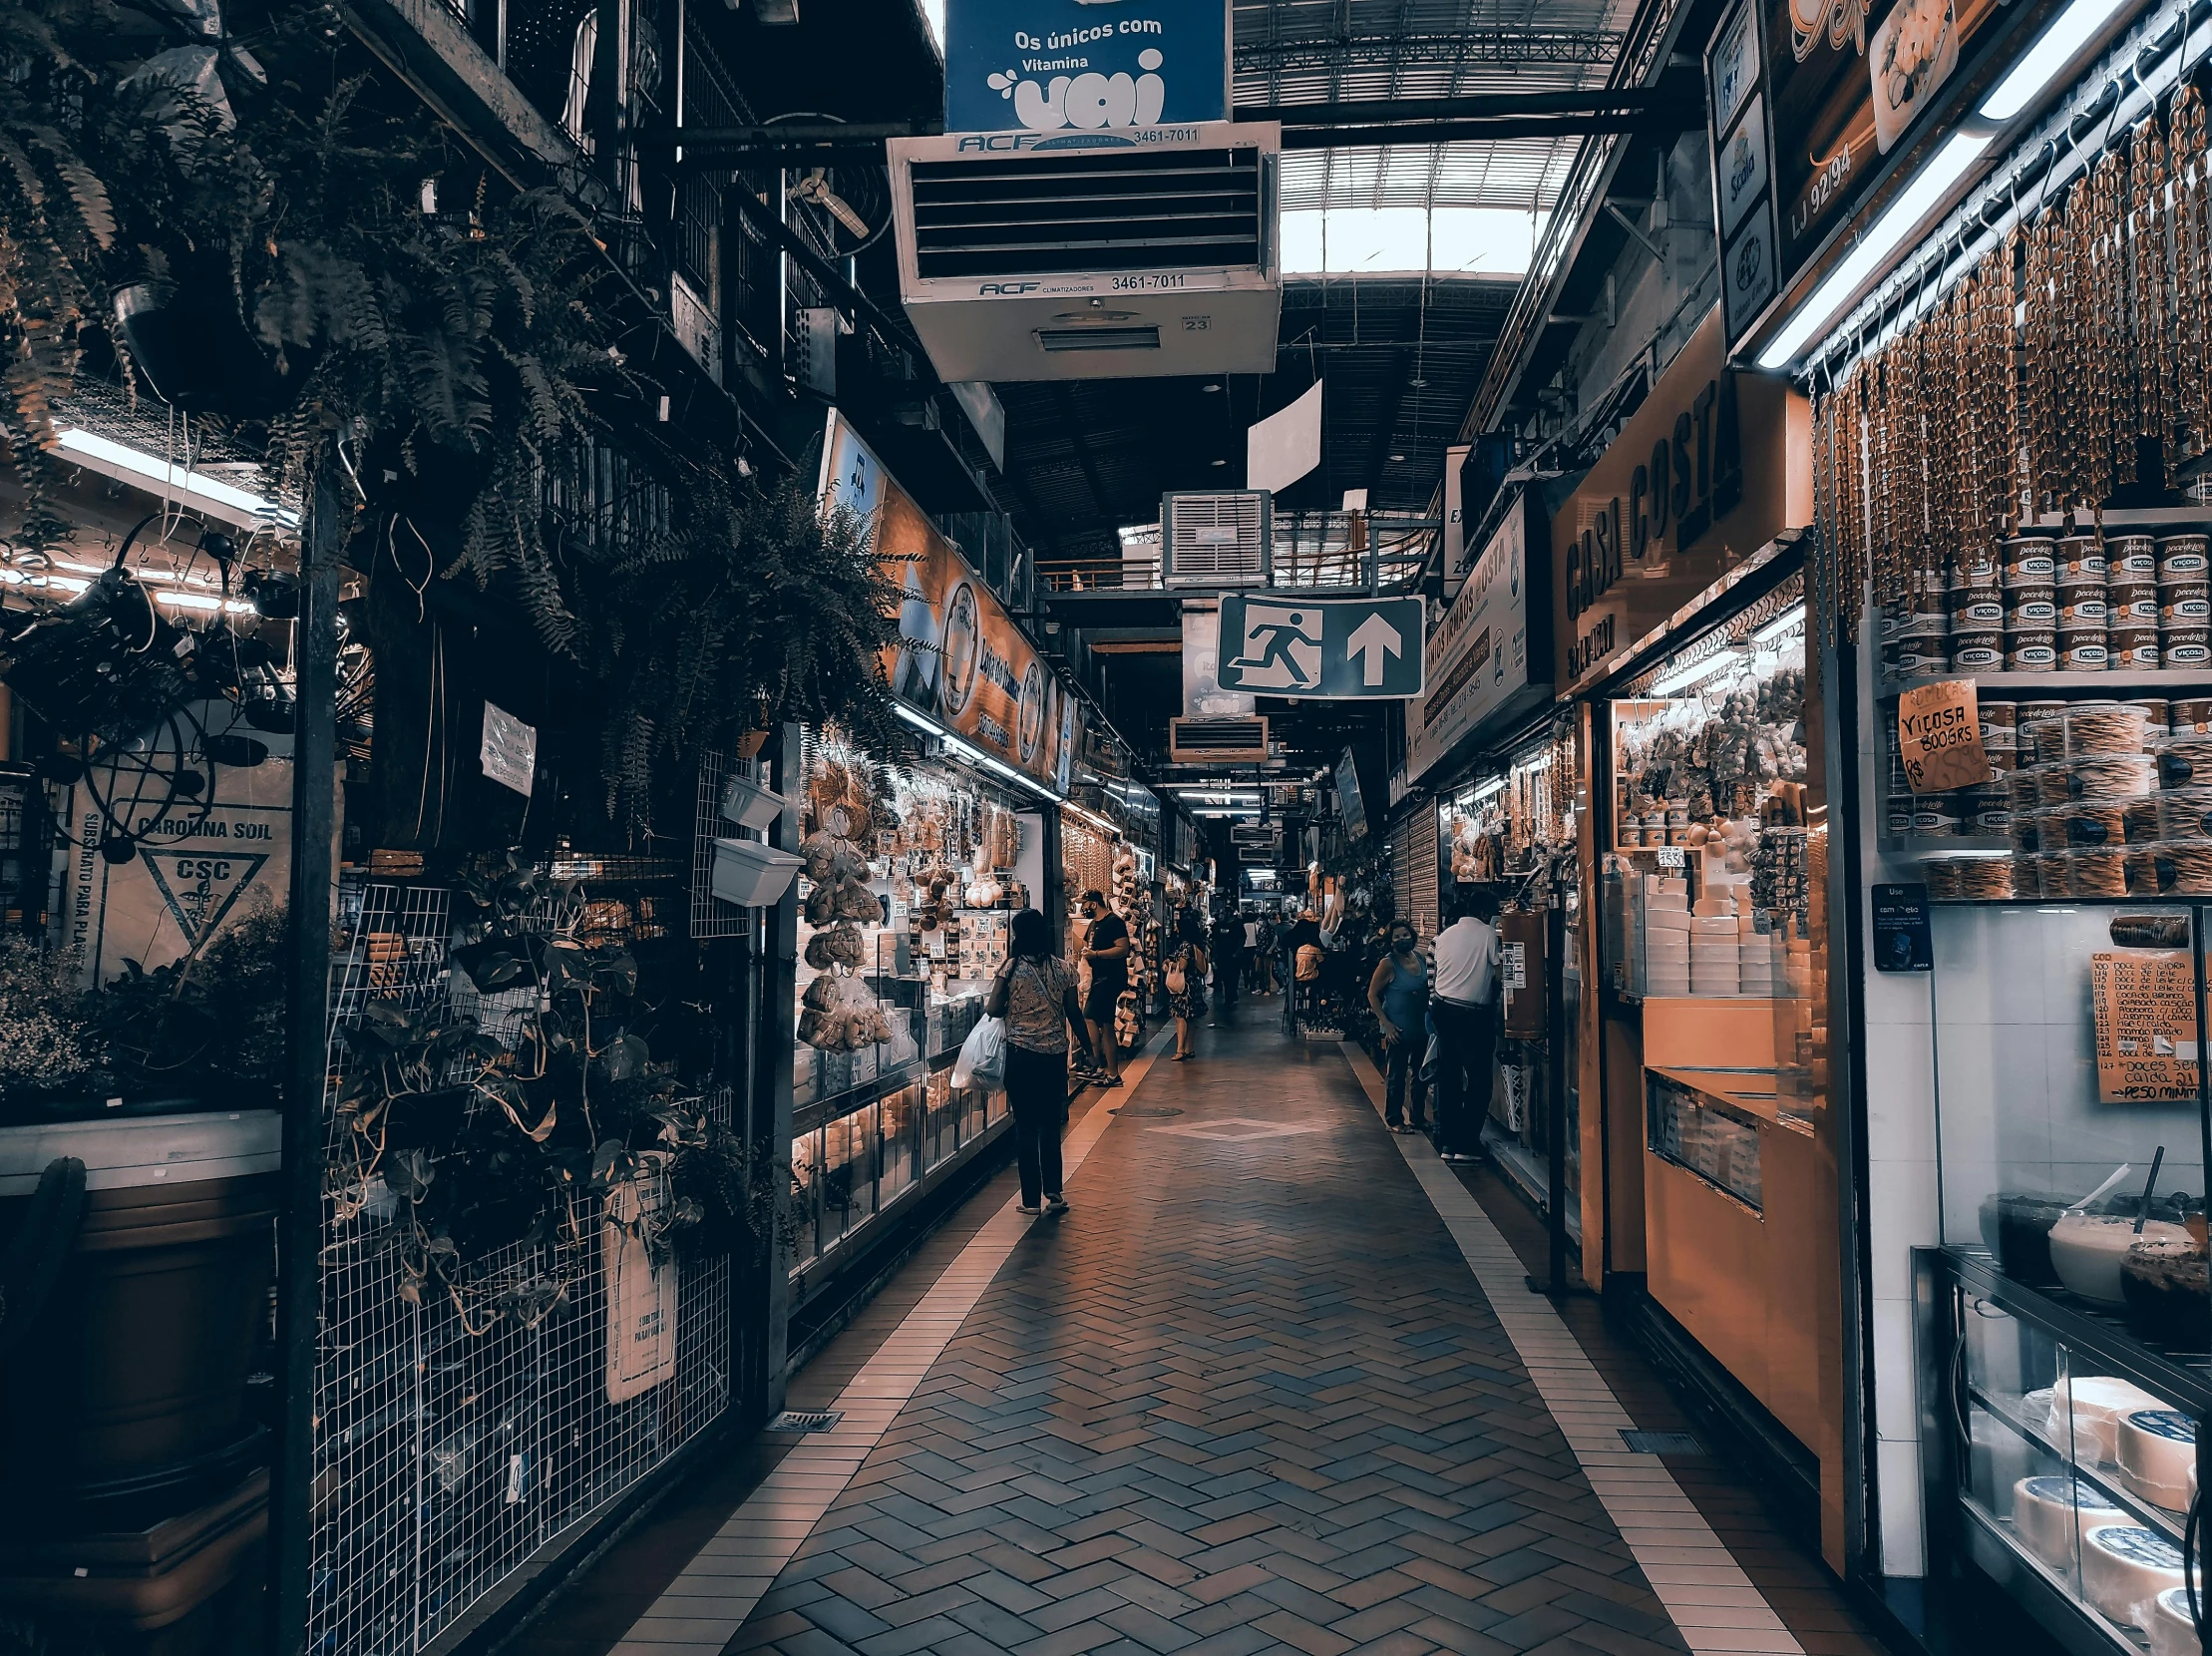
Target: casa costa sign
x=1712 y=467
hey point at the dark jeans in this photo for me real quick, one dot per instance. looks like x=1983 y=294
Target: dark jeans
x=1036 y=1095
x=1402 y=1082
x=1466 y=1042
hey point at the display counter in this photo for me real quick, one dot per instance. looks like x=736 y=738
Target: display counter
x=1729 y=1169
x=2066 y=1318
x=912 y=875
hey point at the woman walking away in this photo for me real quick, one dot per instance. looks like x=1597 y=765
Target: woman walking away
x=1398 y=994
x=1036 y=997
x=1186 y=975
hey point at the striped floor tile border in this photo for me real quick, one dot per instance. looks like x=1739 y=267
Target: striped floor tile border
x=1713 y=1603
x=705 y=1605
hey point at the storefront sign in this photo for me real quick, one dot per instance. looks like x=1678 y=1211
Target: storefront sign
x=960 y=660
x=1456 y=555
x=1939 y=727
x=2145 y=1015
x=1712 y=467
x=196 y=870
x=1074 y=66
x=1337 y=649
x=1806 y=97
x=1479 y=657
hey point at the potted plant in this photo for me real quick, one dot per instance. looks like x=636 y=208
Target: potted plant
x=125 y=1397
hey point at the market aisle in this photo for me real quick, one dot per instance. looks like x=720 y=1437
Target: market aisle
x=1247 y=1396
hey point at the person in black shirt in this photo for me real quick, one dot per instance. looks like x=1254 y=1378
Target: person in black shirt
x=1106 y=950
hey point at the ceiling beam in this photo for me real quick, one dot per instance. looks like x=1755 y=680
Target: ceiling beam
x=1386 y=429
x=1476 y=46
x=1063 y=398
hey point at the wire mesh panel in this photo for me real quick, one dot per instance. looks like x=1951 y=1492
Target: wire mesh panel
x=710 y=917
x=451 y=1444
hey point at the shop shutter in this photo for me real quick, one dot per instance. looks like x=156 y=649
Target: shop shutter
x=1413 y=870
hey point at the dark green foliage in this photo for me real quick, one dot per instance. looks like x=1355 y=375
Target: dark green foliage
x=466 y=366
x=208 y=1024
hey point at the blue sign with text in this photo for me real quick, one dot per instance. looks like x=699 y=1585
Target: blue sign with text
x=1085 y=65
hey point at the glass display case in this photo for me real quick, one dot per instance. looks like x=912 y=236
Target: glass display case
x=1707 y=814
x=908 y=885
x=2068 y=1309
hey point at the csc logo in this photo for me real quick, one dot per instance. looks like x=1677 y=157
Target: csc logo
x=1008 y=287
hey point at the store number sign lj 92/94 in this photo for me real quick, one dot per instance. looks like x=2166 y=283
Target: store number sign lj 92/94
x=1074 y=66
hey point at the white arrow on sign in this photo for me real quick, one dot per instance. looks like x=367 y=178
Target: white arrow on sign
x=1371 y=641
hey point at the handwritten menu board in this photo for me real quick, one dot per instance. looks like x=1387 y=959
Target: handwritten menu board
x=2147 y=1026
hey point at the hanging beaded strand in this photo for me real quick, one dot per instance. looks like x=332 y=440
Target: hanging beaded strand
x=2153 y=315
x=2191 y=231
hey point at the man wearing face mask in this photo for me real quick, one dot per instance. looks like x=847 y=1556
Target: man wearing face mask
x=1397 y=994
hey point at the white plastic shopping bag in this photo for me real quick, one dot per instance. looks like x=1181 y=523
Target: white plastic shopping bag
x=982 y=1060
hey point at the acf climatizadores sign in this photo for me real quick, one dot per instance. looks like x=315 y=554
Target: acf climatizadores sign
x=1073 y=66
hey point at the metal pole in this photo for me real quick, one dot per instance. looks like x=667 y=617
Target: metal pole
x=1555 y=1081
x=307 y=1015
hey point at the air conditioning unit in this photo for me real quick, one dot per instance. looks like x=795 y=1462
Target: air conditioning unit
x=1204 y=741
x=1249 y=854
x=1255 y=832
x=1097 y=254
x=1217 y=540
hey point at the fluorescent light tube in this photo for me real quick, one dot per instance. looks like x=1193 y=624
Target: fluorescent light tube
x=1789 y=620
x=176 y=478
x=2066 y=35
x=1697 y=672
x=963 y=750
x=1920 y=198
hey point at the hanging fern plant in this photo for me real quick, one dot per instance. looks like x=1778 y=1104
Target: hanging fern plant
x=455 y=344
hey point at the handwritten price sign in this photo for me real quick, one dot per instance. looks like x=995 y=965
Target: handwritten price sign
x=1938 y=726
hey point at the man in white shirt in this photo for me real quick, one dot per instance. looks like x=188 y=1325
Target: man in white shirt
x=1466 y=1012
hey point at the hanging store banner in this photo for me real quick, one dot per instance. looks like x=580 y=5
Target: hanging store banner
x=1806 y=98
x=1051 y=66
x=1479 y=657
x=960 y=659
x=1712 y=467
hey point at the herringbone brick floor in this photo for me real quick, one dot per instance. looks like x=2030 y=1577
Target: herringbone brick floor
x=1245 y=1396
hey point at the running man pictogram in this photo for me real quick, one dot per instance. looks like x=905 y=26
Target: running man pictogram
x=1281 y=649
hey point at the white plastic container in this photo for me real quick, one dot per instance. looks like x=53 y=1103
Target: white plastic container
x=752 y=873
x=749 y=805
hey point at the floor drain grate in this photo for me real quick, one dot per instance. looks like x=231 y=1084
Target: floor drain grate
x=805 y=1420
x=1660 y=1442
x=1148 y=1115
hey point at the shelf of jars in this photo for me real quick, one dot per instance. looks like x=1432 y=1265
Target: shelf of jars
x=2087 y=800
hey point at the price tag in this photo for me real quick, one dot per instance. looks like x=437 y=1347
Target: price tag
x=1671 y=856
x=1939 y=728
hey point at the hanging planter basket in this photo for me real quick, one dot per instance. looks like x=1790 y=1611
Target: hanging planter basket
x=749 y=805
x=752 y=875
